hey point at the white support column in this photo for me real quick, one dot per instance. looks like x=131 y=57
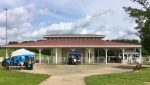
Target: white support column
x=89 y=55
x=82 y=58
x=128 y=57
x=6 y=53
x=140 y=56
x=40 y=56
x=48 y=60
x=106 y=55
x=56 y=55
x=123 y=59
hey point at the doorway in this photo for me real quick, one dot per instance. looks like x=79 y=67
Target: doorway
x=74 y=57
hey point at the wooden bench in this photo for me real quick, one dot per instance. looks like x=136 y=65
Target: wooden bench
x=16 y=67
x=137 y=67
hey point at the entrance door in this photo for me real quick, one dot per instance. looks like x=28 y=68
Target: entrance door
x=74 y=59
x=70 y=60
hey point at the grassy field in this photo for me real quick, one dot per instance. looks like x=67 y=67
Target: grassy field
x=2 y=53
x=127 y=78
x=20 y=78
x=146 y=63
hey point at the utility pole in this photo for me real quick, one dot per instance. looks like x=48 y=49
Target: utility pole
x=6 y=34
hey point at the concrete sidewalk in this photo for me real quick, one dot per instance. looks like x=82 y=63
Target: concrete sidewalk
x=74 y=74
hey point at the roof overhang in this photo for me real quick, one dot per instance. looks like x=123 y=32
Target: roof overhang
x=73 y=35
x=73 y=43
x=71 y=46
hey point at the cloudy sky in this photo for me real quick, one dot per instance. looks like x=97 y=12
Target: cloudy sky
x=30 y=19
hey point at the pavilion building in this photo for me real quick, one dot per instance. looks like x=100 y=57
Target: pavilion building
x=91 y=48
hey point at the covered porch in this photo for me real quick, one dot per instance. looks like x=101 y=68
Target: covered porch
x=91 y=52
x=91 y=55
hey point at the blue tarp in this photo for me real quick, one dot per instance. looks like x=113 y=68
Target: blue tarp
x=8 y=61
x=74 y=52
x=22 y=58
x=17 y=59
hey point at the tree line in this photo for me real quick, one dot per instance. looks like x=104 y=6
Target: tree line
x=133 y=41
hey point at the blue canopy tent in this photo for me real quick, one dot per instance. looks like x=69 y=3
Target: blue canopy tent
x=74 y=57
x=22 y=58
x=21 y=54
x=74 y=52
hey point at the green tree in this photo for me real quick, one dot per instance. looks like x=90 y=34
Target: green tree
x=26 y=41
x=142 y=19
x=126 y=41
x=12 y=42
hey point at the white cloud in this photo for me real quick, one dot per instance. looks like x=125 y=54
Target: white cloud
x=84 y=21
x=129 y=33
x=84 y=31
x=60 y=28
x=18 y=22
x=82 y=26
x=2 y=30
x=16 y=17
x=44 y=11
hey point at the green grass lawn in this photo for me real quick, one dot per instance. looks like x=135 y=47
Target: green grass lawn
x=3 y=53
x=126 y=78
x=146 y=63
x=20 y=78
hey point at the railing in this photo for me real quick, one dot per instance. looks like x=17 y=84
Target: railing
x=100 y=59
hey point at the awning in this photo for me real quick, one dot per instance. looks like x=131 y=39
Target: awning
x=74 y=52
x=22 y=52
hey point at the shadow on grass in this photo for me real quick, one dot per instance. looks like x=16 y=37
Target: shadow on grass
x=130 y=67
x=143 y=68
x=123 y=67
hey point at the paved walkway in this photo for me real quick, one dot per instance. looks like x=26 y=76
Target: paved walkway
x=74 y=74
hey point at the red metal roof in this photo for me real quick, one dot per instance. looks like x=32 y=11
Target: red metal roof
x=74 y=35
x=74 y=43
